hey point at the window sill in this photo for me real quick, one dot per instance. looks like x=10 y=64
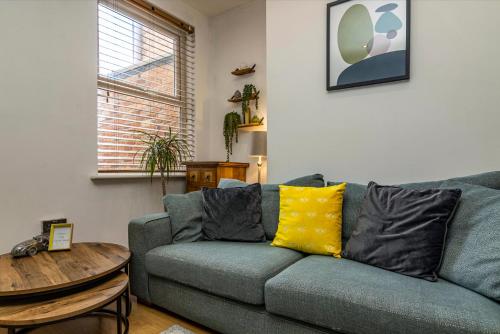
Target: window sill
x=131 y=176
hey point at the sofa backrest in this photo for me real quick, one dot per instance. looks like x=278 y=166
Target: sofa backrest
x=472 y=253
x=354 y=195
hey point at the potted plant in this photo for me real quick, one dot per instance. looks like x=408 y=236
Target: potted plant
x=231 y=122
x=249 y=92
x=163 y=154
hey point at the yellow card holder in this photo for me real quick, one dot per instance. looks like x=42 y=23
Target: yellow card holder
x=61 y=237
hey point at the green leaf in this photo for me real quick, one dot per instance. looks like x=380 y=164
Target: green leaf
x=163 y=153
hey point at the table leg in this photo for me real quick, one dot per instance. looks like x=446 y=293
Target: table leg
x=128 y=303
x=119 y=315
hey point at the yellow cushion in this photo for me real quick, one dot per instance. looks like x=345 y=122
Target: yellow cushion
x=311 y=219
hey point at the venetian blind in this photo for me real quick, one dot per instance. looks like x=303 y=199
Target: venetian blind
x=145 y=82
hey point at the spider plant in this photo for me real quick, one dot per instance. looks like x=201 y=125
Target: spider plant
x=163 y=154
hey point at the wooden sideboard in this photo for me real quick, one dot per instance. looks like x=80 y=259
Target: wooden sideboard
x=208 y=173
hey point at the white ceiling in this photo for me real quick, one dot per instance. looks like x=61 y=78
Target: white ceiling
x=215 y=7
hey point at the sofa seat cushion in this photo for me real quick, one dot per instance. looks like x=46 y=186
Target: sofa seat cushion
x=352 y=297
x=235 y=270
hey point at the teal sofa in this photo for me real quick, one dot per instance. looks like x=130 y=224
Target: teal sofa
x=234 y=287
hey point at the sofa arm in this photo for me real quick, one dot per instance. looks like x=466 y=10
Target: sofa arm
x=144 y=234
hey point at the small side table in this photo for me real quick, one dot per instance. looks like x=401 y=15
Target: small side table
x=208 y=173
x=56 y=286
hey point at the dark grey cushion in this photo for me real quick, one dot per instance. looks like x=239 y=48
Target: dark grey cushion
x=314 y=180
x=185 y=215
x=472 y=255
x=353 y=198
x=354 y=194
x=235 y=270
x=271 y=198
x=402 y=230
x=233 y=214
x=352 y=297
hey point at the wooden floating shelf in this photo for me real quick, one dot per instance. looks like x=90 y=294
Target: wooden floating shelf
x=243 y=71
x=250 y=126
x=253 y=97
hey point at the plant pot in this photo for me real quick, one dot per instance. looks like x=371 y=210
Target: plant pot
x=247 y=116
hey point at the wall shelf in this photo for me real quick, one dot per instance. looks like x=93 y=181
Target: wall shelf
x=253 y=97
x=243 y=71
x=250 y=127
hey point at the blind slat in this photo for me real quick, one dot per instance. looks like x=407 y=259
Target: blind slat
x=144 y=96
x=167 y=46
x=120 y=132
x=145 y=84
x=117 y=112
x=108 y=84
x=146 y=102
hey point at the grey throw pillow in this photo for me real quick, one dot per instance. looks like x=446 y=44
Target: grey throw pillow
x=271 y=198
x=233 y=214
x=472 y=255
x=231 y=183
x=185 y=216
x=403 y=230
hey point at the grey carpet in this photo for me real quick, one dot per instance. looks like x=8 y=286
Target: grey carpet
x=176 y=329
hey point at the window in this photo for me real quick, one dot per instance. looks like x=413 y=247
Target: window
x=145 y=72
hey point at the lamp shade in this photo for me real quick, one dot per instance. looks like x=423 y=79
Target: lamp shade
x=259 y=144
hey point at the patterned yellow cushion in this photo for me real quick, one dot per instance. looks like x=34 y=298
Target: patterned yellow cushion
x=311 y=219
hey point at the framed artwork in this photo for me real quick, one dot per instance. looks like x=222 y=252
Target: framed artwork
x=61 y=237
x=368 y=42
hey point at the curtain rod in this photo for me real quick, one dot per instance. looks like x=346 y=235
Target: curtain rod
x=163 y=14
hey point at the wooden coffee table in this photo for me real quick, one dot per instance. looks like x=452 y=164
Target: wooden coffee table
x=56 y=286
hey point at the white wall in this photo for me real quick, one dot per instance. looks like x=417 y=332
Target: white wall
x=48 y=123
x=443 y=122
x=238 y=36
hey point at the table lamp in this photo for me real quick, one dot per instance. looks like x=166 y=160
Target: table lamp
x=259 y=148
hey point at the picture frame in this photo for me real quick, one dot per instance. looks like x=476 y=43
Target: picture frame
x=46 y=224
x=368 y=42
x=61 y=237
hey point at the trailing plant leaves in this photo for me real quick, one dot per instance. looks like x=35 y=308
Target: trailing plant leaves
x=231 y=122
x=248 y=91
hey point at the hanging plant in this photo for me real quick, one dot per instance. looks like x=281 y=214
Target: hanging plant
x=231 y=122
x=248 y=92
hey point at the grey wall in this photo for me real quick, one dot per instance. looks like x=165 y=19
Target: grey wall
x=444 y=122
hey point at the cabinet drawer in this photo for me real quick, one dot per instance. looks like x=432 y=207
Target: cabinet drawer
x=208 y=176
x=193 y=178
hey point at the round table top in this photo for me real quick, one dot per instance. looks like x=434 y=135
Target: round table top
x=49 y=308
x=52 y=271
